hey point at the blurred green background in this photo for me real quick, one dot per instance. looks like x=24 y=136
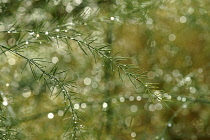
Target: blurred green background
x=167 y=38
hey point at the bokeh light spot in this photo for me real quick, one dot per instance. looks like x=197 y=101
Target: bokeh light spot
x=55 y=60
x=87 y=81
x=50 y=115
x=172 y=37
x=11 y=61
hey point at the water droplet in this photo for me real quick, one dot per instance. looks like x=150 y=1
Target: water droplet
x=46 y=33
x=27 y=42
x=57 y=30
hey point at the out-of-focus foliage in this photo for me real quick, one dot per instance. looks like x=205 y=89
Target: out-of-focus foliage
x=68 y=69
